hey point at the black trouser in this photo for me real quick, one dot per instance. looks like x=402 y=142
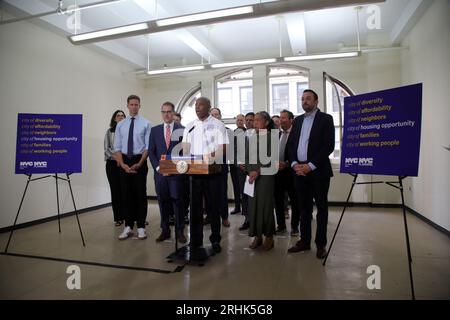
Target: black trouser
x=244 y=198
x=113 y=174
x=284 y=182
x=134 y=189
x=186 y=196
x=223 y=193
x=310 y=188
x=234 y=172
x=208 y=186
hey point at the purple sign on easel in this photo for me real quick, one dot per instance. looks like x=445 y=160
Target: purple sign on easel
x=48 y=143
x=382 y=132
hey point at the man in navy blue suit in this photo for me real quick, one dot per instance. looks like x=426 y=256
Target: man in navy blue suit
x=163 y=139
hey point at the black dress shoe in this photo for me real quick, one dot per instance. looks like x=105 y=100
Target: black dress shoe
x=162 y=237
x=216 y=247
x=299 y=247
x=181 y=238
x=235 y=211
x=244 y=226
x=321 y=253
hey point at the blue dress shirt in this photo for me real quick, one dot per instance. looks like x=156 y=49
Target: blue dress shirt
x=141 y=135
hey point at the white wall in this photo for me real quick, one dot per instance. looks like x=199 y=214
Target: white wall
x=41 y=72
x=428 y=61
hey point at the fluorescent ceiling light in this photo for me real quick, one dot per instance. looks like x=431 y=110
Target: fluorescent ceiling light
x=205 y=16
x=178 y=69
x=243 y=63
x=323 y=56
x=109 y=32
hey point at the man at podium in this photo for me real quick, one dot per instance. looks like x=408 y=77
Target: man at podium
x=206 y=137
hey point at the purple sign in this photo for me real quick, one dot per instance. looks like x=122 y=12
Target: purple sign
x=382 y=132
x=48 y=143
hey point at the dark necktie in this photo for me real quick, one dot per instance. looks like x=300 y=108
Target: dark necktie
x=130 y=139
x=284 y=138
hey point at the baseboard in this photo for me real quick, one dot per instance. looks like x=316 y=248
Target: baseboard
x=52 y=218
x=428 y=221
x=391 y=205
x=364 y=204
x=331 y=204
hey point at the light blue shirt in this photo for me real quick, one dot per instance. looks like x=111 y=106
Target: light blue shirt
x=302 y=151
x=141 y=135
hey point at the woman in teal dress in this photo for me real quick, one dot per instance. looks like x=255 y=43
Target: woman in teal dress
x=261 y=205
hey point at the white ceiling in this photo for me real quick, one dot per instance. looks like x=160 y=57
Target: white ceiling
x=326 y=30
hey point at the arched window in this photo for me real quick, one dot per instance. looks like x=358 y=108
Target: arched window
x=234 y=93
x=335 y=92
x=186 y=105
x=286 y=85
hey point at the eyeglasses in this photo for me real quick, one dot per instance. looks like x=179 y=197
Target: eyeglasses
x=166 y=111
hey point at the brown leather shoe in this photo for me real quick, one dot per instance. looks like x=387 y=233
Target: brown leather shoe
x=162 y=237
x=321 y=253
x=181 y=238
x=257 y=241
x=299 y=247
x=268 y=243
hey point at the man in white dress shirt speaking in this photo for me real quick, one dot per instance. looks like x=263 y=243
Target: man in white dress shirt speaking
x=205 y=137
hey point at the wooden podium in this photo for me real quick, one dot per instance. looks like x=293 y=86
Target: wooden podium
x=188 y=166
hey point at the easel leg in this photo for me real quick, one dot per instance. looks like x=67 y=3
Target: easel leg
x=342 y=215
x=400 y=181
x=17 y=215
x=57 y=202
x=76 y=211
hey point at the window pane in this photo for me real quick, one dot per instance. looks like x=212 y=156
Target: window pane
x=280 y=97
x=333 y=99
x=246 y=97
x=337 y=143
x=284 y=86
x=301 y=86
x=235 y=93
x=225 y=98
x=188 y=111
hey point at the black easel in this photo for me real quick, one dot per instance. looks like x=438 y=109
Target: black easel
x=392 y=184
x=57 y=204
x=188 y=253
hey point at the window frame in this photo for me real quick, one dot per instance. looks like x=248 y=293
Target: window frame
x=304 y=70
x=222 y=77
x=336 y=161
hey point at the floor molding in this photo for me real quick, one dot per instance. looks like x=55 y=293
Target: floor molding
x=331 y=204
